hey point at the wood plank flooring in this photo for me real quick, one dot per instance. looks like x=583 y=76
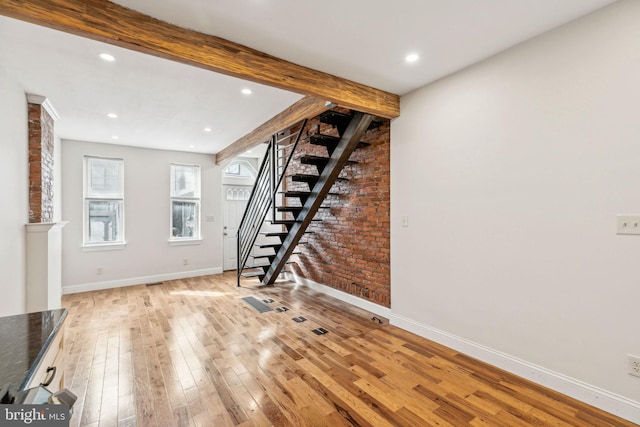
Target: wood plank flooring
x=192 y=353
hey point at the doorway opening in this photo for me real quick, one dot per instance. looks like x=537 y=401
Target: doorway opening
x=238 y=179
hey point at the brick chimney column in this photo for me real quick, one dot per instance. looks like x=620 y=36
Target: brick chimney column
x=42 y=117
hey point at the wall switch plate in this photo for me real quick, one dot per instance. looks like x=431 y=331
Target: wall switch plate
x=405 y=221
x=634 y=365
x=628 y=224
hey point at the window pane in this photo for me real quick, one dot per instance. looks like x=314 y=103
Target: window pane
x=239 y=170
x=184 y=219
x=105 y=223
x=104 y=177
x=233 y=169
x=184 y=181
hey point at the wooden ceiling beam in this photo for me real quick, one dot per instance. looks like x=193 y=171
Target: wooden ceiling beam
x=307 y=108
x=111 y=23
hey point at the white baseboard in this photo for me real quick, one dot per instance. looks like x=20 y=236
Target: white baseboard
x=96 y=286
x=602 y=399
x=342 y=296
x=597 y=397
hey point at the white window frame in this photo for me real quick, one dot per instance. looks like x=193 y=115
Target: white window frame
x=89 y=197
x=195 y=199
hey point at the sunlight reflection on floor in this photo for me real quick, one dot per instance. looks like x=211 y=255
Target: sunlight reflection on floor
x=213 y=294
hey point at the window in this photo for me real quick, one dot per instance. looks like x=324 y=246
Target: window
x=240 y=169
x=185 y=202
x=103 y=201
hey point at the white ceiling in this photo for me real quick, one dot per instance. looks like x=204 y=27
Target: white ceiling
x=159 y=103
x=162 y=104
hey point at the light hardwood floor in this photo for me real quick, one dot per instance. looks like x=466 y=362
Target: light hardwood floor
x=192 y=353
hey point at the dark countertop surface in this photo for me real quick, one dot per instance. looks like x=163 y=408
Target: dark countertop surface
x=24 y=340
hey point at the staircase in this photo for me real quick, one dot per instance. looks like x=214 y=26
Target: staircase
x=266 y=260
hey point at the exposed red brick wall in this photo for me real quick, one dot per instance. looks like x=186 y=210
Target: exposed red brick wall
x=350 y=249
x=41 y=142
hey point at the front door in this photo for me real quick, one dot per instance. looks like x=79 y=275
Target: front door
x=235 y=203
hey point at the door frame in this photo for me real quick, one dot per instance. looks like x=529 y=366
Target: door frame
x=252 y=164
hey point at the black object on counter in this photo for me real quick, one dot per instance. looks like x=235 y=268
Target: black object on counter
x=24 y=340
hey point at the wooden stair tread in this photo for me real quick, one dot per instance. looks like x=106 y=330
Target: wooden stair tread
x=253 y=274
x=309 y=159
x=289 y=208
x=268 y=245
x=282 y=221
x=341 y=120
x=274 y=233
x=254 y=266
x=304 y=177
x=320 y=139
x=302 y=193
x=295 y=193
x=288 y=221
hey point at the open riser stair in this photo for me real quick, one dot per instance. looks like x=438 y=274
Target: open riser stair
x=270 y=215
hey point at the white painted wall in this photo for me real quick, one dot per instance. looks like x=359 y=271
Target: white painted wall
x=15 y=210
x=148 y=256
x=511 y=173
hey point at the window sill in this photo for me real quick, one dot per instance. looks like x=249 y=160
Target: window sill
x=185 y=242
x=105 y=247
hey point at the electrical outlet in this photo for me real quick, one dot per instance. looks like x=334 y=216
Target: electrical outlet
x=99 y=270
x=628 y=224
x=185 y=261
x=634 y=365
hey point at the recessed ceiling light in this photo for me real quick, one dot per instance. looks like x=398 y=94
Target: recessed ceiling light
x=412 y=57
x=115 y=137
x=107 y=57
x=249 y=151
x=191 y=146
x=112 y=115
x=207 y=129
x=246 y=91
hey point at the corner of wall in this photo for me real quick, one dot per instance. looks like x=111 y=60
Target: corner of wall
x=13 y=164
